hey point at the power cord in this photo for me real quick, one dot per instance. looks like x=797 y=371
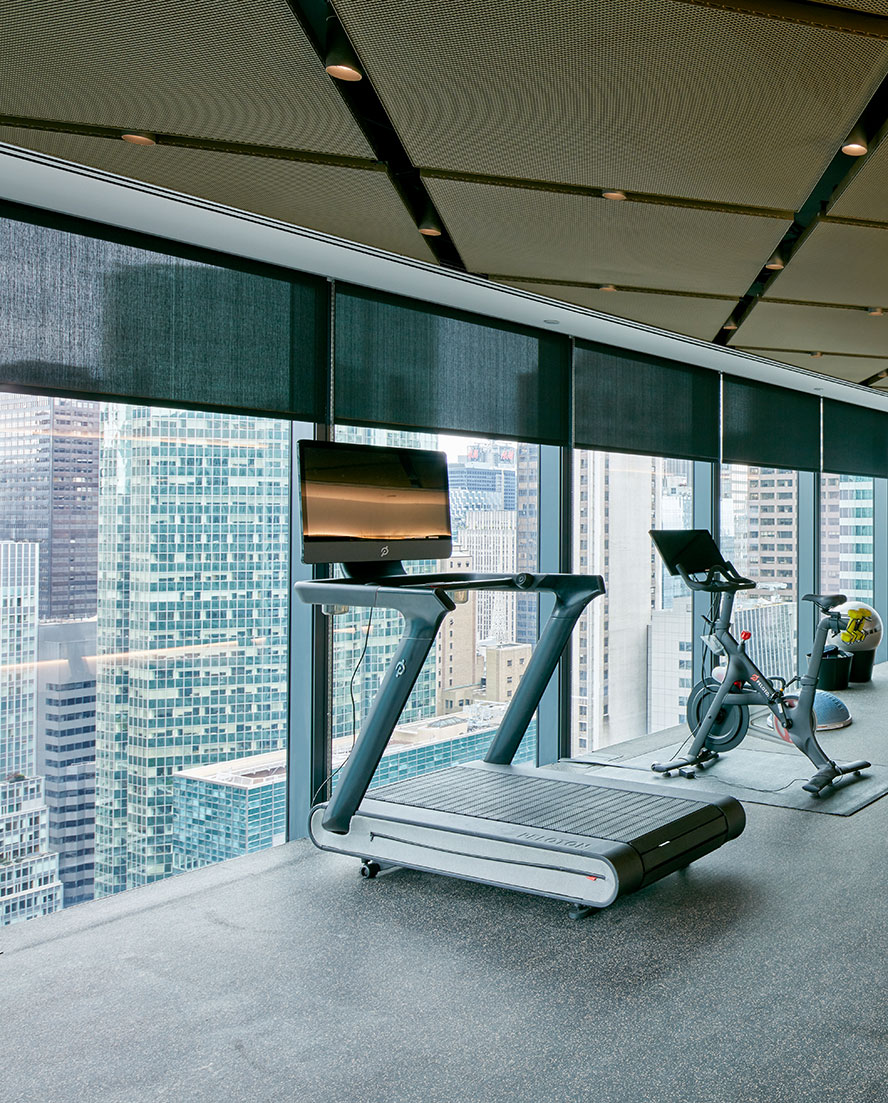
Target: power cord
x=351 y=689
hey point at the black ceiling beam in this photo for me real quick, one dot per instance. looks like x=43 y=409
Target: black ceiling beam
x=316 y=17
x=874 y=123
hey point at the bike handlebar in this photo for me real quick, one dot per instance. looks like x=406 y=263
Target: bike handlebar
x=720 y=578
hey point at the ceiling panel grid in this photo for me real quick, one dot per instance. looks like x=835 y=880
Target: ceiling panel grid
x=700 y=318
x=356 y=204
x=837 y=263
x=815 y=328
x=648 y=95
x=235 y=70
x=544 y=235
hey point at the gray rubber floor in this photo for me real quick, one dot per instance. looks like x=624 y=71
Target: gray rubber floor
x=758 y=975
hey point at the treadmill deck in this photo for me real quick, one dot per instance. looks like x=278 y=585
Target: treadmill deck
x=577 y=807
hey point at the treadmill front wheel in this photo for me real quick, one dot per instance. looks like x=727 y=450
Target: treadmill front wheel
x=370 y=869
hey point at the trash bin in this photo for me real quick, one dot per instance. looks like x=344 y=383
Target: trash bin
x=835 y=669
x=862 y=666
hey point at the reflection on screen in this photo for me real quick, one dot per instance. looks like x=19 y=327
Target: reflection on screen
x=358 y=492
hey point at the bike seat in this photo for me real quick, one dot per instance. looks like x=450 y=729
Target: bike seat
x=826 y=601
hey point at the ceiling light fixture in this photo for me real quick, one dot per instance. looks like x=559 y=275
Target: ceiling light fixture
x=613 y=195
x=816 y=355
x=429 y=225
x=855 y=144
x=731 y=323
x=340 y=60
x=139 y=138
x=776 y=261
x=606 y=287
x=875 y=311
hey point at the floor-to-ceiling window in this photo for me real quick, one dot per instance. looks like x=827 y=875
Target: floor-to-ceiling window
x=482 y=648
x=144 y=566
x=846 y=536
x=759 y=535
x=631 y=655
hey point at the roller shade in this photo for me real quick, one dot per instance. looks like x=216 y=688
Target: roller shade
x=628 y=402
x=855 y=440
x=413 y=365
x=85 y=316
x=770 y=426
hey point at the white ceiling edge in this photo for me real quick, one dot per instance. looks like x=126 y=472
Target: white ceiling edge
x=37 y=180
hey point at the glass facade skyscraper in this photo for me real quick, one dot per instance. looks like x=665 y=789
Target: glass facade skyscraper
x=192 y=616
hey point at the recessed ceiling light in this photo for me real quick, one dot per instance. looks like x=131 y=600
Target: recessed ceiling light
x=855 y=144
x=606 y=287
x=340 y=60
x=875 y=311
x=730 y=324
x=776 y=261
x=429 y=225
x=613 y=195
x=816 y=355
x=136 y=138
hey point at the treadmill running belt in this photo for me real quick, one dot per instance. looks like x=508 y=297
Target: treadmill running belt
x=580 y=809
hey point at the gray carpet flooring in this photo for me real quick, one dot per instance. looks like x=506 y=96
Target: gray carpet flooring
x=757 y=975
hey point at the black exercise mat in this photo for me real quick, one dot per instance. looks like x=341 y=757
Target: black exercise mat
x=756 y=772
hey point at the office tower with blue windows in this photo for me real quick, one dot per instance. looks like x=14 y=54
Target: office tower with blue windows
x=192 y=616
x=29 y=880
x=227 y=809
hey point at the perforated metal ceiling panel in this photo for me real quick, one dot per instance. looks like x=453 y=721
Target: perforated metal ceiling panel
x=645 y=95
x=535 y=235
x=837 y=263
x=240 y=70
x=351 y=203
x=866 y=194
x=854 y=369
x=818 y=328
x=701 y=318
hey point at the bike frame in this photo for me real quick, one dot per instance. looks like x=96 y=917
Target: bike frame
x=795 y=712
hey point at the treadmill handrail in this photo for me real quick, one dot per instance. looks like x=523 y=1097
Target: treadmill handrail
x=424 y=604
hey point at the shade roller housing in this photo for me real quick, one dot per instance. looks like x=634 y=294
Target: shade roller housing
x=769 y=426
x=855 y=440
x=147 y=327
x=408 y=365
x=628 y=402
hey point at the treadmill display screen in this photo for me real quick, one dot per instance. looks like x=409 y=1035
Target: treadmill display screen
x=361 y=503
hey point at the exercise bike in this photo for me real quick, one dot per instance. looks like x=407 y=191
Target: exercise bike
x=718 y=711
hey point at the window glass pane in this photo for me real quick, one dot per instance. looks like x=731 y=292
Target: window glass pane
x=759 y=535
x=482 y=648
x=144 y=565
x=846 y=536
x=631 y=653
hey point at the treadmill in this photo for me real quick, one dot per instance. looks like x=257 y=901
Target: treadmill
x=579 y=839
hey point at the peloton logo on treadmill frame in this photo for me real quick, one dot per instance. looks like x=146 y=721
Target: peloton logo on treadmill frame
x=383 y=551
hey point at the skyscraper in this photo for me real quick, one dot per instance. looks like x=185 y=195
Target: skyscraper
x=49 y=471
x=66 y=747
x=29 y=881
x=192 y=616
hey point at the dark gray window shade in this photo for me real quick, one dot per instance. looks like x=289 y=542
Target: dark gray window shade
x=84 y=316
x=770 y=426
x=409 y=365
x=628 y=402
x=855 y=440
